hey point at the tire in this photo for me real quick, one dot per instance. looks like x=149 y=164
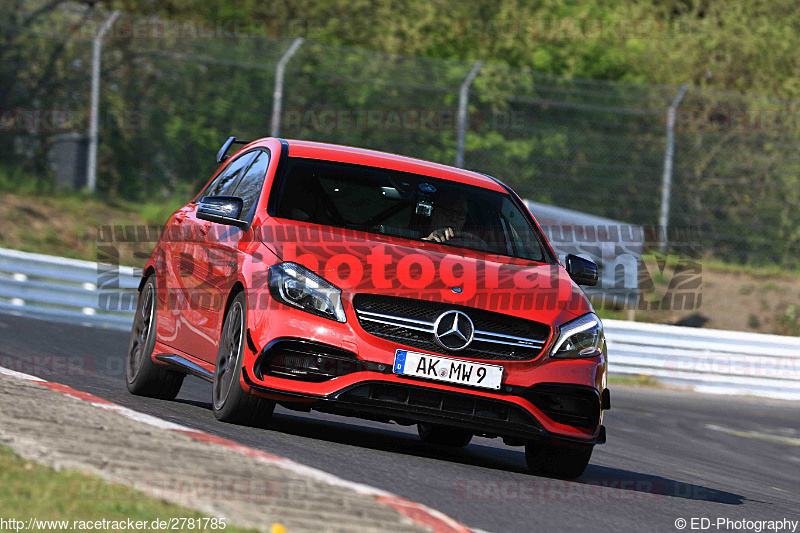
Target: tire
x=443 y=435
x=229 y=401
x=557 y=461
x=143 y=376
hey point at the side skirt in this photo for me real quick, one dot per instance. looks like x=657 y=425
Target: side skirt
x=183 y=364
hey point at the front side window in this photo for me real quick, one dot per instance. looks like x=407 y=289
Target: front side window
x=225 y=183
x=252 y=181
x=406 y=205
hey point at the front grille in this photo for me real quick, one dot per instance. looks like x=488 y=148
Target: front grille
x=449 y=404
x=411 y=322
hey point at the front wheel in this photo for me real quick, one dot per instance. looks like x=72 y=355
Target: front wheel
x=443 y=435
x=229 y=401
x=559 y=461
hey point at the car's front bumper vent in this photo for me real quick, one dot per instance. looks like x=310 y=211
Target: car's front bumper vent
x=572 y=405
x=448 y=404
x=308 y=361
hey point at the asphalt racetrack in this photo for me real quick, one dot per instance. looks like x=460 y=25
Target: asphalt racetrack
x=670 y=455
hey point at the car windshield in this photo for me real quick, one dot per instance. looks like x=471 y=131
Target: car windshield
x=406 y=205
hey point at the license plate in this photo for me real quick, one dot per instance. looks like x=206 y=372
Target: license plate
x=447 y=369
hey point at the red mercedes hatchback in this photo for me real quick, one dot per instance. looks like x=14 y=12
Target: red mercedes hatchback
x=367 y=284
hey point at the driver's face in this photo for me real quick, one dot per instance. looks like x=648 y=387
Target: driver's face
x=449 y=214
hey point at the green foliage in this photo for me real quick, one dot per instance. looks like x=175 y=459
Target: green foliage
x=788 y=322
x=742 y=45
x=539 y=119
x=14 y=179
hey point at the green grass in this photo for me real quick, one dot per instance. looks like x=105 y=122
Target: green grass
x=37 y=218
x=29 y=490
x=633 y=380
x=614 y=314
x=15 y=180
x=757 y=271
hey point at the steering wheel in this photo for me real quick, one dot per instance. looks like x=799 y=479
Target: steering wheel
x=466 y=238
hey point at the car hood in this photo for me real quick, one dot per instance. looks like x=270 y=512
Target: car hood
x=357 y=261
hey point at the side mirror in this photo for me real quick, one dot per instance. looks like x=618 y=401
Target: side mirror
x=222 y=210
x=582 y=271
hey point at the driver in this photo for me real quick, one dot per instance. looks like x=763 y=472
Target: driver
x=448 y=217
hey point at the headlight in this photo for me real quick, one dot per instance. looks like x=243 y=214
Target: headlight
x=582 y=337
x=297 y=286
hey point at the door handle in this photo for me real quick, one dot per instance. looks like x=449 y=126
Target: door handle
x=180 y=216
x=205 y=227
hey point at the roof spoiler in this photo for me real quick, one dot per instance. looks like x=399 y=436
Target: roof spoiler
x=221 y=155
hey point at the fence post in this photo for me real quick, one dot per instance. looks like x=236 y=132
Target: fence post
x=463 y=100
x=94 y=104
x=666 y=180
x=277 y=94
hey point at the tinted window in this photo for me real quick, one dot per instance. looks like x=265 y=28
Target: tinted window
x=251 y=183
x=406 y=205
x=226 y=182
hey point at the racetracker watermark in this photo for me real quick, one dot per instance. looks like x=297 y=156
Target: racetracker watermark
x=64 y=120
x=728 y=524
x=742 y=120
x=766 y=366
x=592 y=490
x=402 y=119
x=555 y=490
x=187 y=488
x=129 y=27
x=52 y=366
x=559 y=29
x=129 y=524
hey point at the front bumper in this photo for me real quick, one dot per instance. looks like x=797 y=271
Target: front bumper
x=313 y=375
x=409 y=404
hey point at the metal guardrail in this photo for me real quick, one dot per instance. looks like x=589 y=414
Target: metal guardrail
x=67 y=290
x=705 y=360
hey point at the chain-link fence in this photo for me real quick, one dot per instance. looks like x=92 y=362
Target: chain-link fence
x=169 y=99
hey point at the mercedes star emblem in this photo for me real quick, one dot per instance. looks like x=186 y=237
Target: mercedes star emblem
x=453 y=330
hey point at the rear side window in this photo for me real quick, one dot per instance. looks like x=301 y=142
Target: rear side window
x=252 y=181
